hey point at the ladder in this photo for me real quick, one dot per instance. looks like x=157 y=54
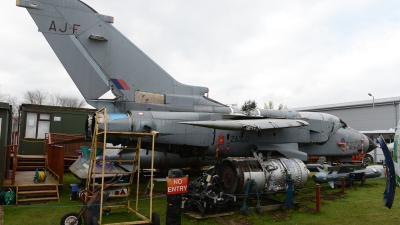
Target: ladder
x=99 y=138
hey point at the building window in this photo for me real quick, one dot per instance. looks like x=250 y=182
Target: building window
x=37 y=124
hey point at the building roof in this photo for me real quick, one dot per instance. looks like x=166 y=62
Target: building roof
x=356 y=104
x=57 y=108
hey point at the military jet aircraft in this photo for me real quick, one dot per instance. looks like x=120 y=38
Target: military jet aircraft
x=99 y=58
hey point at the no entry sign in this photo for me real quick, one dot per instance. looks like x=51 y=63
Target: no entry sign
x=177 y=185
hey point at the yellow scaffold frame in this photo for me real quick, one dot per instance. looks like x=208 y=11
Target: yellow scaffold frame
x=90 y=183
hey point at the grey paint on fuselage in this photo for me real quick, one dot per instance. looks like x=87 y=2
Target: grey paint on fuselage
x=99 y=58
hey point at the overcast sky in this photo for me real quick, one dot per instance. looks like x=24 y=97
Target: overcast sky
x=299 y=53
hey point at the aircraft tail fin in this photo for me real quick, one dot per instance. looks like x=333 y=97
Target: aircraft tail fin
x=96 y=55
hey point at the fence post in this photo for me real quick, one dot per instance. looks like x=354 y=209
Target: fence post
x=177 y=185
x=318 y=198
x=343 y=185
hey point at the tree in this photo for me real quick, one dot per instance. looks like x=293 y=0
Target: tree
x=12 y=100
x=249 y=105
x=15 y=103
x=37 y=97
x=270 y=105
x=66 y=101
x=3 y=97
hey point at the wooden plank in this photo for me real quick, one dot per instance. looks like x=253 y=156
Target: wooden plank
x=37 y=199
x=27 y=168
x=30 y=163
x=197 y=216
x=131 y=223
x=25 y=178
x=37 y=192
x=34 y=157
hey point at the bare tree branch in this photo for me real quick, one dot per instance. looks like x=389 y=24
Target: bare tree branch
x=15 y=103
x=66 y=101
x=270 y=105
x=4 y=97
x=12 y=100
x=37 y=97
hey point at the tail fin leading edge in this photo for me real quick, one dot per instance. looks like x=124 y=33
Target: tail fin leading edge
x=96 y=55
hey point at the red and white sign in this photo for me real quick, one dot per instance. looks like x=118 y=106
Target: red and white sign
x=177 y=185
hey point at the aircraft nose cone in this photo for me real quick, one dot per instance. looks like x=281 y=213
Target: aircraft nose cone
x=371 y=145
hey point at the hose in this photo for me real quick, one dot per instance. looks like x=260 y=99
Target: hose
x=40 y=176
x=7 y=197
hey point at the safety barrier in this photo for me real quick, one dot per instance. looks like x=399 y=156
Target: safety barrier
x=55 y=161
x=11 y=152
x=58 y=147
x=70 y=142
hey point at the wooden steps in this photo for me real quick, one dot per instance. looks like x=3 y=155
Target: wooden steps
x=30 y=162
x=36 y=193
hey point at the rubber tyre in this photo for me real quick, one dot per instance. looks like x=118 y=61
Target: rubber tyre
x=155 y=218
x=369 y=158
x=69 y=217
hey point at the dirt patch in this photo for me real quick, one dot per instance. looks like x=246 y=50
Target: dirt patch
x=278 y=215
x=228 y=221
x=307 y=199
x=306 y=192
x=332 y=196
x=307 y=209
x=325 y=196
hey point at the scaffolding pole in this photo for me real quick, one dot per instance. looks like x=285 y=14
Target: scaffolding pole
x=91 y=183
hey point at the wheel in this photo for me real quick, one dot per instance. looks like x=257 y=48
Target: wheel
x=368 y=159
x=155 y=218
x=69 y=218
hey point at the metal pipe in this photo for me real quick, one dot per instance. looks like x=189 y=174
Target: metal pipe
x=373 y=107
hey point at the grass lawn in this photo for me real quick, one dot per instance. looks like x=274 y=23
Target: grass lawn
x=359 y=205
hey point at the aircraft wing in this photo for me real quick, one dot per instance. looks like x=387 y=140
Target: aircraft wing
x=378 y=132
x=253 y=124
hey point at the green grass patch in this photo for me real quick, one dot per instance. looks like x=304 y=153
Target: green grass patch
x=359 y=205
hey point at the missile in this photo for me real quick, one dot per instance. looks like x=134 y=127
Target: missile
x=334 y=177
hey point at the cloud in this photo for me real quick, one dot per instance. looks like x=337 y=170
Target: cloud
x=296 y=53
